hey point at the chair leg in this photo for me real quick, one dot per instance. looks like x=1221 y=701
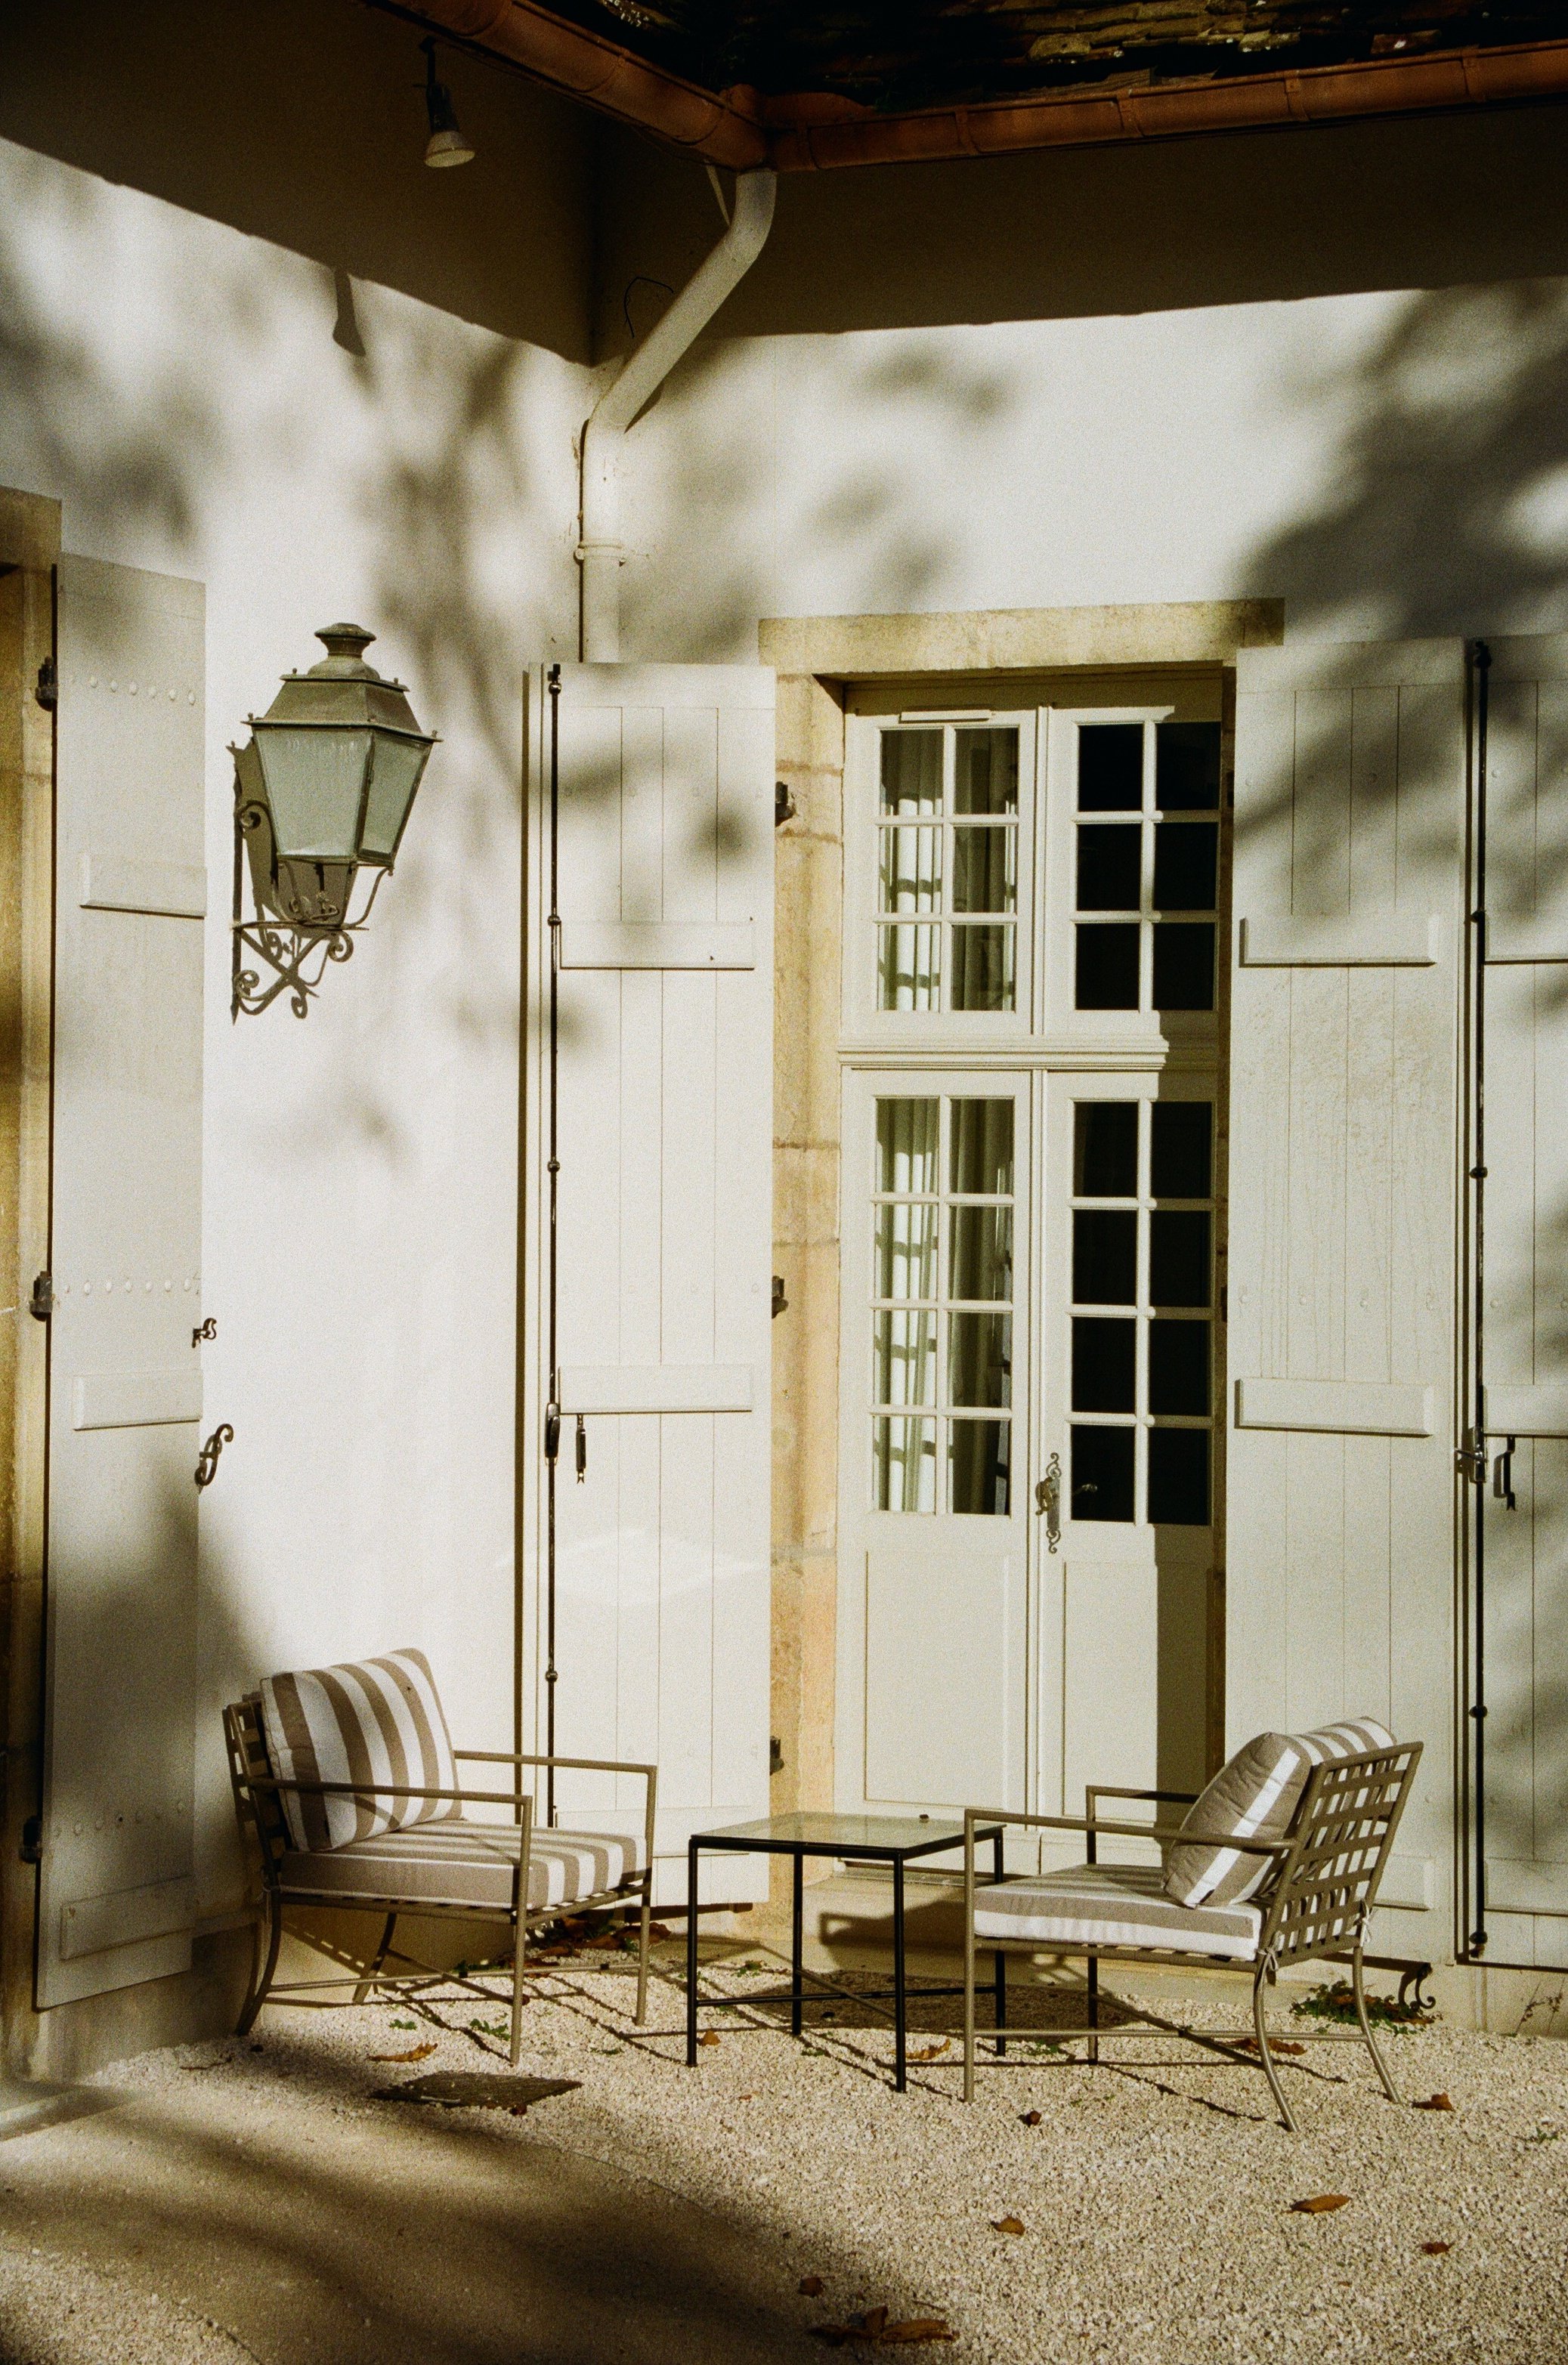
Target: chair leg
x=1379 y=2063
x=518 y=1962
x=380 y=1955
x=1001 y=2000
x=1093 y=1969
x=643 y=1947
x=1259 y=1978
x=262 y=1980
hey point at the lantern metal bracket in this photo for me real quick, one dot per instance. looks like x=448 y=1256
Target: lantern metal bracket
x=286 y=949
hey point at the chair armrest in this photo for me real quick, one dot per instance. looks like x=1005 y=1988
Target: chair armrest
x=973 y=1815
x=1092 y=1790
x=376 y=1789
x=578 y=1764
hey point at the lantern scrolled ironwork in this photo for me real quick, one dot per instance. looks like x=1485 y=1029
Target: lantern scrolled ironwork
x=322 y=792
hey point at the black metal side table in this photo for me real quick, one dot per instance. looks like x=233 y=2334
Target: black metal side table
x=895 y=1839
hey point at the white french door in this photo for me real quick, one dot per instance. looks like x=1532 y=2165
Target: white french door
x=1128 y=1398
x=934 y=1443
x=1029 y=1364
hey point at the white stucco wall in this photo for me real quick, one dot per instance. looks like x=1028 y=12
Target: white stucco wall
x=177 y=385
x=1387 y=462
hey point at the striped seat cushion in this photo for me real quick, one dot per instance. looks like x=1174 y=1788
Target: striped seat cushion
x=1254 y=1797
x=468 y=1863
x=1113 y=1905
x=367 y=1721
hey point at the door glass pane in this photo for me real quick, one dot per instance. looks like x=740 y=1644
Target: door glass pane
x=1180 y=1159
x=1184 y=964
x=1101 y=1479
x=1186 y=855
x=906 y=1251
x=1186 y=766
x=1104 y=1360
x=1110 y=766
x=979 y=1253
x=905 y=1356
x=910 y=879
x=1178 y=1369
x=1110 y=855
x=1179 y=1477
x=1105 y=1149
x=979 y=1359
x=905 y=1465
x=907 y=1135
x=1105 y=966
x=1178 y=1257
x=912 y=772
x=978 y=1463
x=909 y=969
x=985 y=869
x=981 y=1156
x=1105 y=1258
x=985 y=770
x=983 y=977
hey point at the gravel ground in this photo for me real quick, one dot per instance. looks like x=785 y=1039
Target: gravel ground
x=57 y=2311
x=1154 y=2200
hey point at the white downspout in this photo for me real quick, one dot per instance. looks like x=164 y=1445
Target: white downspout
x=599 y=551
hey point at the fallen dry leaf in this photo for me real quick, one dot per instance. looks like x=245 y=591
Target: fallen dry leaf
x=1436 y=2249
x=1030 y=2118
x=709 y=2036
x=874 y=2328
x=811 y=2286
x=658 y=1932
x=1319 y=2202
x=1007 y=2225
x=415 y=2053
x=1435 y=2102
x=932 y=2052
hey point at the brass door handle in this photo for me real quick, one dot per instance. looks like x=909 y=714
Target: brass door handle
x=1047 y=1501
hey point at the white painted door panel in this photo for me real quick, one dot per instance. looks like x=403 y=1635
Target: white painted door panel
x=1525 y=1354
x=116 y=1889
x=1344 y=1154
x=666 y=1231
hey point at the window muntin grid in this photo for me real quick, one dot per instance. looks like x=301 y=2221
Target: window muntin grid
x=947 y=856
x=1146 y=865
x=941 y=1307
x=1140 y=1297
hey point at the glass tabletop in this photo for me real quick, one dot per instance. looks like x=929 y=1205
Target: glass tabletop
x=843 y=1835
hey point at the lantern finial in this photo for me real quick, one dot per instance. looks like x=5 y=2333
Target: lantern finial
x=345 y=645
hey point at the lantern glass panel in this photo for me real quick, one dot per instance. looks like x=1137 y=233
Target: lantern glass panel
x=394 y=776
x=315 y=784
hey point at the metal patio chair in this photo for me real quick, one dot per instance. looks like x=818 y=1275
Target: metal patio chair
x=516 y=1872
x=1313 y=1903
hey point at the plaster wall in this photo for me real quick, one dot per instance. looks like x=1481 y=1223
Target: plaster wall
x=210 y=402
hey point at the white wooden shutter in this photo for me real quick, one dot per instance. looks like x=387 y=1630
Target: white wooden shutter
x=1525 y=1350
x=1344 y=1134
x=666 y=1231
x=116 y=1897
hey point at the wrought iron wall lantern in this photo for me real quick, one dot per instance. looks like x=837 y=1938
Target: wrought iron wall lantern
x=322 y=791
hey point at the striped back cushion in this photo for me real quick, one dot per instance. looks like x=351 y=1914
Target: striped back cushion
x=1254 y=1798
x=367 y=1721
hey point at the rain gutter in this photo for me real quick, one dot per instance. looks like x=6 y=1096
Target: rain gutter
x=814 y=131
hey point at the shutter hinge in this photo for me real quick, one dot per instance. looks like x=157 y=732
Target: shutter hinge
x=47 y=689
x=40 y=1305
x=780 y=1303
x=784 y=806
x=31 y=1849
x=207 y=1329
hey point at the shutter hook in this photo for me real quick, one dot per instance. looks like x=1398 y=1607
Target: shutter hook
x=207 y=1460
x=582 y=1449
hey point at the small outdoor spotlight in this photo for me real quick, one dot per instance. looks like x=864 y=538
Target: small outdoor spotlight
x=446 y=144
x=323 y=789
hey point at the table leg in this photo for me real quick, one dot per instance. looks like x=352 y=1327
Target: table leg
x=1000 y=1959
x=691 y=1955
x=899 y=1998
x=797 y=1943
